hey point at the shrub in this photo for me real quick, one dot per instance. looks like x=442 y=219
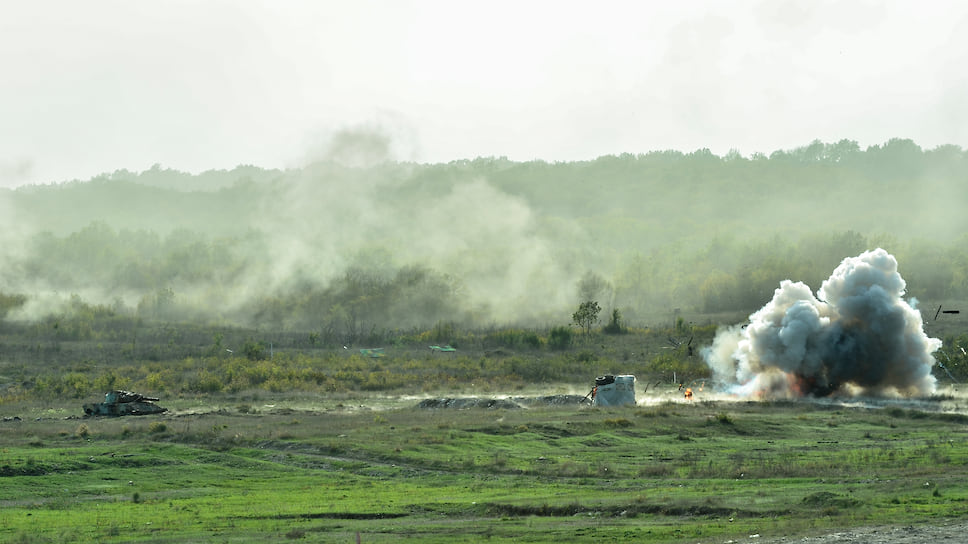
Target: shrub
x=617 y=423
x=584 y=356
x=615 y=324
x=83 y=431
x=157 y=427
x=560 y=338
x=255 y=351
x=513 y=338
x=445 y=331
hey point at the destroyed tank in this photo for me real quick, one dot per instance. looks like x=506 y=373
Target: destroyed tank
x=124 y=403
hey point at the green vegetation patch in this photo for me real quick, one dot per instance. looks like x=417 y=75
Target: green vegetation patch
x=657 y=474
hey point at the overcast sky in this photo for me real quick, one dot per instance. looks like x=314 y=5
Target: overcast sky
x=99 y=85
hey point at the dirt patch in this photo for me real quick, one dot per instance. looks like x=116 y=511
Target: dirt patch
x=908 y=534
x=552 y=400
x=508 y=404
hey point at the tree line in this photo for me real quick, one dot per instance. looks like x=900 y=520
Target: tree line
x=348 y=251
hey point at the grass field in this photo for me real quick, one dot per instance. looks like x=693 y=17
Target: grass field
x=310 y=443
x=380 y=469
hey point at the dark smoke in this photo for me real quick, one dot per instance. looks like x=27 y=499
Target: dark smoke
x=857 y=336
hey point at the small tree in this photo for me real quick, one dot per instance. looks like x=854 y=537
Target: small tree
x=615 y=325
x=587 y=315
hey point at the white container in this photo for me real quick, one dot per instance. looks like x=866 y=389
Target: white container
x=614 y=390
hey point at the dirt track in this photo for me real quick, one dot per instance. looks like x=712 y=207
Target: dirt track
x=907 y=534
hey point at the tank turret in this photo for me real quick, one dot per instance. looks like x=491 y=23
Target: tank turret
x=124 y=403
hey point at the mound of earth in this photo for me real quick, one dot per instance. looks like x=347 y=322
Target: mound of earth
x=467 y=403
x=511 y=403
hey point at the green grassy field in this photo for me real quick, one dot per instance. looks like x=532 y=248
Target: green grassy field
x=322 y=444
x=383 y=470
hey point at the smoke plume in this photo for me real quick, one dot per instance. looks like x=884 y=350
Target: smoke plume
x=857 y=336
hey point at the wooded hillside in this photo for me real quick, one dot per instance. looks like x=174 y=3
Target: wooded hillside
x=331 y=247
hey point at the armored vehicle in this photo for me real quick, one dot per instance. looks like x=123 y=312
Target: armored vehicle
x=124 y=403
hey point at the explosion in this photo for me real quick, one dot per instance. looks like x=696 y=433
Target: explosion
x=857 y=336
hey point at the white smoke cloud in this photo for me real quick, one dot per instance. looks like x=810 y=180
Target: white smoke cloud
x=857 y=336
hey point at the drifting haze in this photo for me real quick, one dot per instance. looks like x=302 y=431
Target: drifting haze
x=357 y=242
x=327 y=219
x=857 y=336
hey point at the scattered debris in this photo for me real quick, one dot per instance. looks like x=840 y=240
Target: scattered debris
x=940 y=311
x=469 y=403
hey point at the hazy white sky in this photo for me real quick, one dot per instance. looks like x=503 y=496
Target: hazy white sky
x=95 y=86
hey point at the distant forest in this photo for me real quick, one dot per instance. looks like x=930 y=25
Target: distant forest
x=342 y=250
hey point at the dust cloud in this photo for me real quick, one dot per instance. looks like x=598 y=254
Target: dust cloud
x=857 y=336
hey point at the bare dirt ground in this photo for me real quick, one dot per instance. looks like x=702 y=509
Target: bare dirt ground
x=949 y=533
